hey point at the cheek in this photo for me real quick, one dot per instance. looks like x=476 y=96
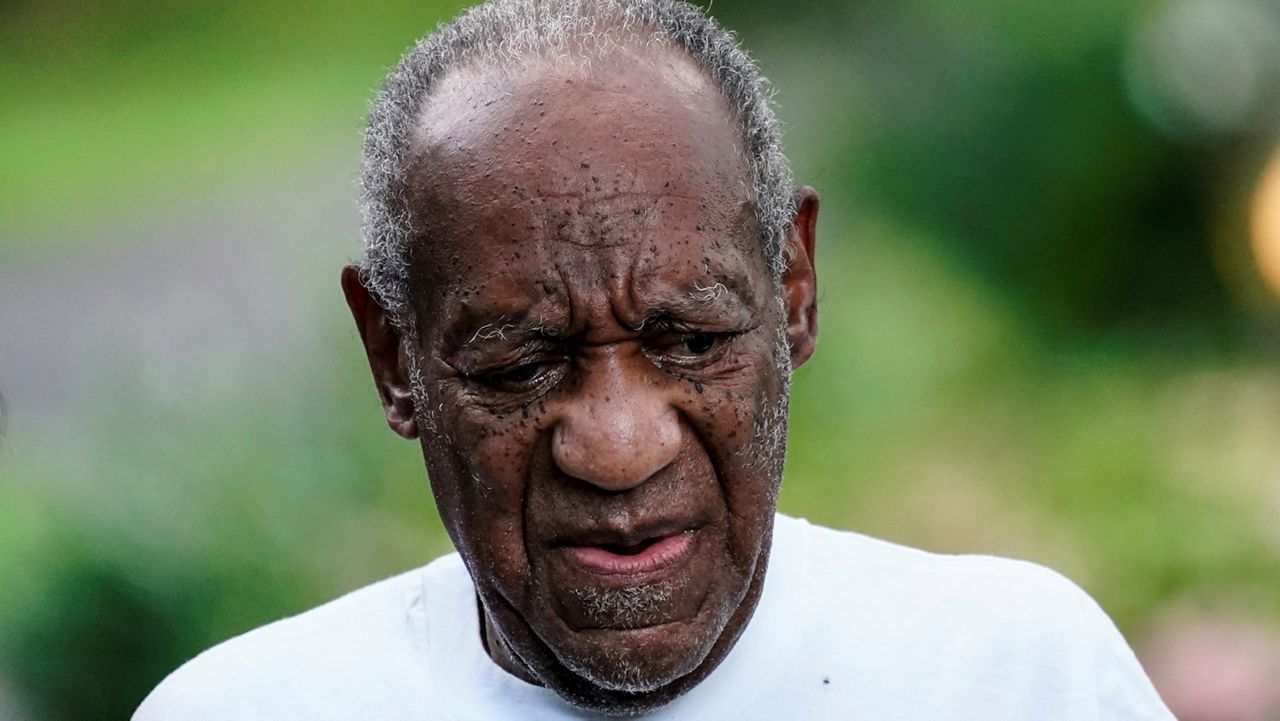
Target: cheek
x=728 y=413
x=721 y=415
x=482 y=459
x=740 y=422
x=494 y=447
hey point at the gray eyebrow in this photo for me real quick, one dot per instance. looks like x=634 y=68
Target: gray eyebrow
x=691 y=301
x=695 y=299
x=503 y=327
x=489 y=331
x=708 y=294
x=497 y=329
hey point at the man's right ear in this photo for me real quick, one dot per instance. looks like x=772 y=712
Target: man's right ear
x=383 y=345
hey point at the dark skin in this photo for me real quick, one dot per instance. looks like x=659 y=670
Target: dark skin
x=598 y=337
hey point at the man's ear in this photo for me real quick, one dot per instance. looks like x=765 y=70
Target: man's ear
x=799 y=280
x=382 y=344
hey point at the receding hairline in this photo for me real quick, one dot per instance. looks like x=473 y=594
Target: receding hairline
x=507 y=32
x=682 y=74
x=469 y=104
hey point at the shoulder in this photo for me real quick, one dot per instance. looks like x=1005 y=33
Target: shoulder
x=968 y=619
x=973 y=599
x=871 y=566
x=361 y=644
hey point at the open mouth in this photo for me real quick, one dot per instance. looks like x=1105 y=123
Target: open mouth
x=631 y=550
x=645 y=556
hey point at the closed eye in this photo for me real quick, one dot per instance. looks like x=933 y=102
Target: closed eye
x=519 y=374
x=519 y=378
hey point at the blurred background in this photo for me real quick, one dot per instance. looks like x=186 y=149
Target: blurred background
x=1050 y=267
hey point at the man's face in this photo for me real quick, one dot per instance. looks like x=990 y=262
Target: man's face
x=601 y=368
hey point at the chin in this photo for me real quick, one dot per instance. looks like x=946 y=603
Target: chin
x=617 y=688
x=628 y=672
x=642 y=661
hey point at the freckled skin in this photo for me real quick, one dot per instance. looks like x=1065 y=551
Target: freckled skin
x=597 y=336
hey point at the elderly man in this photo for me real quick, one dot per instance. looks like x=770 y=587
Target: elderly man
x=588 y=279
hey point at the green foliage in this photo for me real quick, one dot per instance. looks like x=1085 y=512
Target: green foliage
x=1026 y=347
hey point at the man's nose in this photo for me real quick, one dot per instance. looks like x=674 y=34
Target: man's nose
x=618 y=431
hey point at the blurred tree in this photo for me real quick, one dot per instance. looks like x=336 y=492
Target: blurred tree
x=1004 y=128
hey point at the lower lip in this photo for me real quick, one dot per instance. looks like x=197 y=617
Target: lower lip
x=661 y=554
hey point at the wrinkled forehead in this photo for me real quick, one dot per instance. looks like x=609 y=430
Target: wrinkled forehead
x=637 y=113
x=497 y=151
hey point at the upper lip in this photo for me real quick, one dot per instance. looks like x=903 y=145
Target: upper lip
x=623 y=535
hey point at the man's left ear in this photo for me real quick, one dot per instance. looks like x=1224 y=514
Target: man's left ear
x=799 y=280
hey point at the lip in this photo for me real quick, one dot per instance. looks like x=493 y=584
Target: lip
x=661 y=553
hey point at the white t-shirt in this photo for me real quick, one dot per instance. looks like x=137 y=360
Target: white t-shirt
x=848 y=627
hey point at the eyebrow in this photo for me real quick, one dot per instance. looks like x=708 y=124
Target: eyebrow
x=696 y=300
x=700 y=301
x=504 y=327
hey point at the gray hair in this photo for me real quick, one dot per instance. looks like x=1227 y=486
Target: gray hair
x=502 y=31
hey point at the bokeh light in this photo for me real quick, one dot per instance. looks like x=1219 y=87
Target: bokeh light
x=1201 y=67
x=1265 y=225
